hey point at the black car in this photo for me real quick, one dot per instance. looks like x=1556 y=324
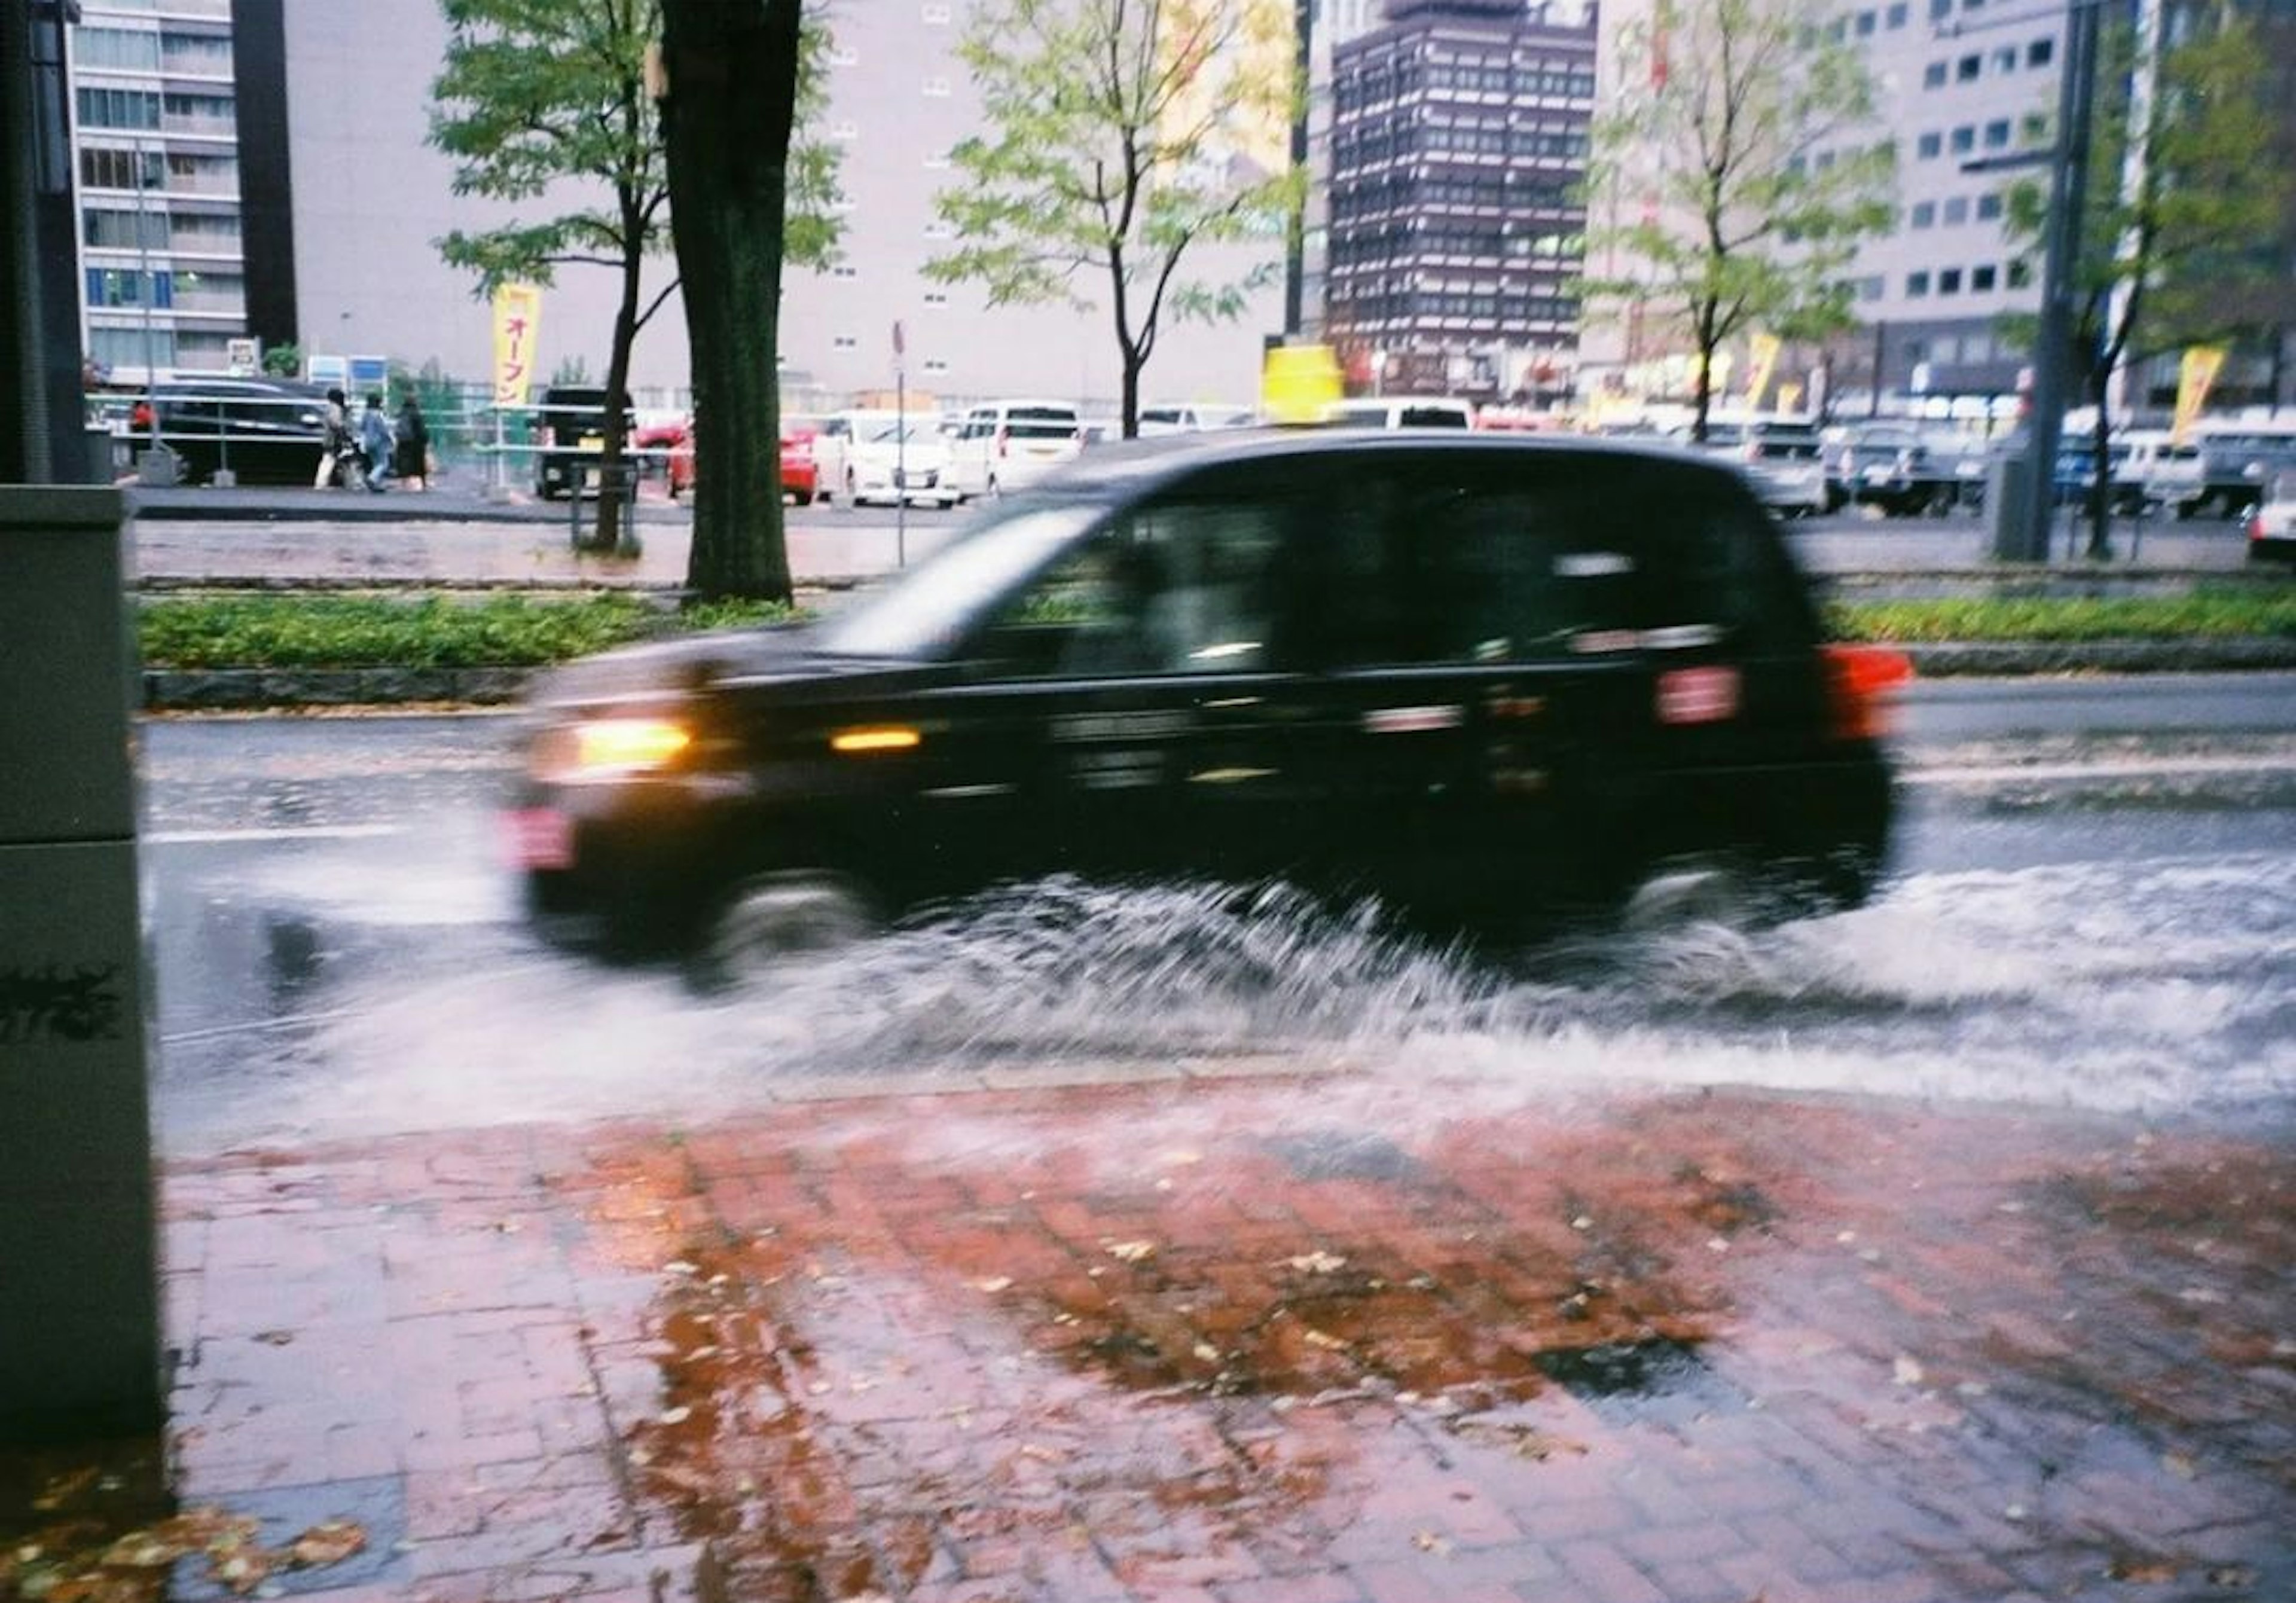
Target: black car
x=261 y=430
x=1480 y=675
x=569 y=436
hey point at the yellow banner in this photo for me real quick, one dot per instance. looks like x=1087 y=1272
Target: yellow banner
x=1762 y=357
x=518 y=322
x=2196 y=375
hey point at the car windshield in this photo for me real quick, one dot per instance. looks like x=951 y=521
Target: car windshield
x=927 y=609
x=886 y=434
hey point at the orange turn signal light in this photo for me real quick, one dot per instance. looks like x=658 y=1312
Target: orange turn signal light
x=885 y=738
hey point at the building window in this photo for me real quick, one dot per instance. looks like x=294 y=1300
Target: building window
x=1864 y=24
x=1948 y=281
x=1933 y=76
x=1871 y=289
x=2004 y=59
x=1981 y=279
x=1939 y=10
x=1923 y=216
x=935 y=365
x=1895 y=17
x=119 y=109
x=1956 y=210
x=1917 y=284
x=1996 y=134
x=1930 y=147
x=2041 y=53
x=845 y=342
x=1988 y=207
x=1965 y=71
x=936 y=298
x=2021 y=274
x=844 y=270
x=2036 y=127
x=1964 y=139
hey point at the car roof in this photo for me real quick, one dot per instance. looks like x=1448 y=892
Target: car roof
x=1125 y=466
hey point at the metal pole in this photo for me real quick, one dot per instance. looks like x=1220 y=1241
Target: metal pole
x=2143 y=83
x=2068 y=199
x=900 y=465
x=1873 y=394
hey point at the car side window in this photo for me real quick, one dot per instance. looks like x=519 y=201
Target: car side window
x=1180 y=587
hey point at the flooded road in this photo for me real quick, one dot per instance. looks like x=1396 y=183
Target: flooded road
x=2089 y=919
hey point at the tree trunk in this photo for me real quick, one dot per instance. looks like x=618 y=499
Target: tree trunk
x=732 y=69
x=614 y=526
x=2100 y=500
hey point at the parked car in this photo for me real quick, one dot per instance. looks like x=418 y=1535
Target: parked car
x=1400 y=412
x=801 y=476
x=261 y=430
x=2159 y=474
x=1906 y=471
x=1484 y=676
x=1782 y=457
x=898 y=458
x=570 y=439
x=1190 y=416
x=2272 y=525
x=2240 y=459
x=1004 y=446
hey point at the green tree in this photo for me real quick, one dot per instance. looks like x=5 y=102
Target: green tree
x=731 y=78
x=2162 y=262
x=283 y=361
x=1122 y=135
x=547 y=103
x=1732 y=183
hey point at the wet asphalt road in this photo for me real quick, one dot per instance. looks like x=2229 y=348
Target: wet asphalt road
x=2093 y=899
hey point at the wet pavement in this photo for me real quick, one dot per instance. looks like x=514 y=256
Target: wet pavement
x=1220 y=1331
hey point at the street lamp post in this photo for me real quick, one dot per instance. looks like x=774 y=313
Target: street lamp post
x=2021 y=532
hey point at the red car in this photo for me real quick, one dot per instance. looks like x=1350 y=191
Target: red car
x=800 y=479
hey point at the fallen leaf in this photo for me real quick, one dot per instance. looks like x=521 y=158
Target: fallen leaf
x=1428 y=1541
x=2144 y=1572
x=1317 y=1262
x=1333 y=1344
x=1132 y=1252
x=330 y=1542
x=994 y=1284
x=1908 y=1370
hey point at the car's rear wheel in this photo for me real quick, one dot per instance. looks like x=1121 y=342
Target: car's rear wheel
x=773 y=919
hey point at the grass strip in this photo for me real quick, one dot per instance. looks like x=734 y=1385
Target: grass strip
x=200 y=631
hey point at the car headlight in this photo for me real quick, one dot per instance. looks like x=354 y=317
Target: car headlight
x=597 y=751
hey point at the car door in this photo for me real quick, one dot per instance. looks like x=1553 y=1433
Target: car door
x=1487 y=726
x=1130 y=710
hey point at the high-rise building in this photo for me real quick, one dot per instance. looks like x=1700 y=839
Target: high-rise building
x=1457 y=149
x=162 y=223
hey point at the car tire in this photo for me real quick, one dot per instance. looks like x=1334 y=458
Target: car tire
x=777 y=918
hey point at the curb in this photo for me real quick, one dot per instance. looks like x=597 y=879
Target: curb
x=243 y=689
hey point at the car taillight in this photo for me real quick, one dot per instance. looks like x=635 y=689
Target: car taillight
x=1861 y=687
x=2256 y=525
x=141 y=417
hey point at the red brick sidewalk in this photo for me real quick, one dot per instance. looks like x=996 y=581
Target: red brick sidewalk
x=1267 y=1340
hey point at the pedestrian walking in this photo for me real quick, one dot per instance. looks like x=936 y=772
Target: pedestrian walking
x=334 y=453
x=414 y=446
x=376 y=443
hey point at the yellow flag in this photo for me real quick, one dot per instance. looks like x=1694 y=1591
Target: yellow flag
x=518 y=322
x=1762 y=359
x=2195 y=374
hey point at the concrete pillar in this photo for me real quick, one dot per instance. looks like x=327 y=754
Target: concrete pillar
x=80 y=1328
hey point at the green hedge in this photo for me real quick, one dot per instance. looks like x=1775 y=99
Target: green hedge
x=430 y=631
x=2220 y=612
x=526 y=631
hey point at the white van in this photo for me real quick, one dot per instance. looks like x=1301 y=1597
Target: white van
x=1003 y=446
x=1400 y=412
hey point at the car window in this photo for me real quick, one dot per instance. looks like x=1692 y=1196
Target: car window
x=1065 y=429
x=1185 y=584
x=1462 y=561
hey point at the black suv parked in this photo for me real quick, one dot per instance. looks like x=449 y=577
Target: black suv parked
x=1479 y=675
x=569 y=433
x=263 y=430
